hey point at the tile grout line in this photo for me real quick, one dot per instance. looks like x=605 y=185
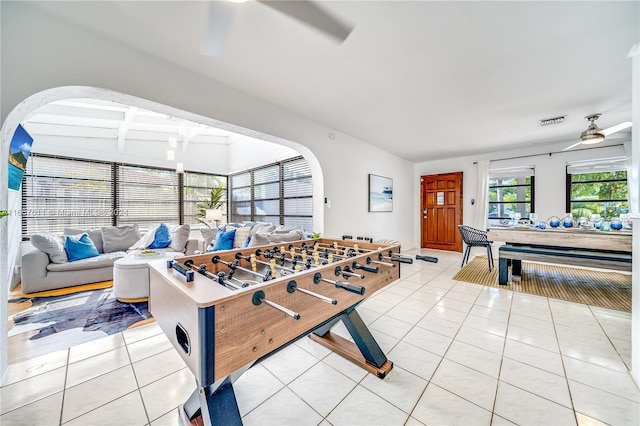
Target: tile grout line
x=64 y=386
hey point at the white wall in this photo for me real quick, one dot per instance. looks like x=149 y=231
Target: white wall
x=243 y=154
x=550 y=174
x=40 y=53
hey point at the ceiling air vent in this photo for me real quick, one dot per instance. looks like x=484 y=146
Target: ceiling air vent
x=554 y=120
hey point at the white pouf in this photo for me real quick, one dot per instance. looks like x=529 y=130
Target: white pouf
x=131 y=276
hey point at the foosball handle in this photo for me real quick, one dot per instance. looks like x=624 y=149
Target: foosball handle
x=353 y=288
x=356 y=265
x=402 y=259
x=427 y=258
x=188 y=274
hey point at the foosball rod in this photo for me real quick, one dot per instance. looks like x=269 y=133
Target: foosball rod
x=293 y=286
x=356 y=265
x=353 y=288
x=399 y=257
x=307 y=262
x=303 y=254
x=377 y=262
x=220 y=279
x=325 y=251
x=234 y=265
x=259 y=297
x=239 y=256
x=346 y=272
x=269 y=254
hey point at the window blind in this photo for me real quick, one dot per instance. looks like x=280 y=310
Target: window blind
x=615 y=164
x=59 y=192
x=147 y=195
x=280 y=193
x=512 y=172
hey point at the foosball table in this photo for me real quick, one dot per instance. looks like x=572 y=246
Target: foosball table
x=227 y=310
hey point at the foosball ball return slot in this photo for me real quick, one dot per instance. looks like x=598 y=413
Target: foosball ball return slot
x=227 y=311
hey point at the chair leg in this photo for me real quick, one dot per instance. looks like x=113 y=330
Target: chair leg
x=490 y=257
x=466 y=255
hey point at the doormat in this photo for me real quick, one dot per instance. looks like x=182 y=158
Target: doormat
x=601 y=288
x=95 y=310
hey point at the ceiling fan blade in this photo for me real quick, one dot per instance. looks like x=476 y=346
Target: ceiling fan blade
x=311 y=14
x=616 y=128
x=219 y=20
x=572 y=146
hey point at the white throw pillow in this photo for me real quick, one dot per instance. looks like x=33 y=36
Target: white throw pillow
x=146 y=239
x=179 y=237
x=241 y=236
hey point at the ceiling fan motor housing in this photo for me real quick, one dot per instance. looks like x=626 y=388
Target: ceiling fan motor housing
x=593 y=134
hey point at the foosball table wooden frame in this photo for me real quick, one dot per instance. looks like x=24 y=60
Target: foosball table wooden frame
x=227 y=310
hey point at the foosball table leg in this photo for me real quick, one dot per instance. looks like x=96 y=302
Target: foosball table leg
x=211 y=408
x=365 y=352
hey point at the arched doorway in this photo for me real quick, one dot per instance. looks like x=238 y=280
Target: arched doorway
x=10 y=200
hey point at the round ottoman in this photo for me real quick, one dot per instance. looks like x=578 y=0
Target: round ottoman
x=131 y=277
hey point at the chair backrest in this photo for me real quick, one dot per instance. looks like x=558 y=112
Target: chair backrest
x=472 y=235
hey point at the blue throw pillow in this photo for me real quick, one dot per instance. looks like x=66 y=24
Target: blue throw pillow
x=224 y=240
x=82 y=248
x=162 y=237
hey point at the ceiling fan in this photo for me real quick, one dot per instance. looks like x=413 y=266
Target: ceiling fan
x=308 y=12
x=594 y=134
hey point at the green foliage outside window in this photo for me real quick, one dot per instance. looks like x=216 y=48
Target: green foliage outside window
x=510 y=195
x=603 y=193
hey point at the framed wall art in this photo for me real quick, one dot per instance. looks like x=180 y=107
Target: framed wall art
x=380 y=193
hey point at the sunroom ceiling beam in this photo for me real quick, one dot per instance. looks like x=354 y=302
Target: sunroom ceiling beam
x=124 y=126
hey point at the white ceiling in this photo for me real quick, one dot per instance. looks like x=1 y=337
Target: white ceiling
x=422 y=79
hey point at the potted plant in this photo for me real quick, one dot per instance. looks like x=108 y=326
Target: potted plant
x=214 y=201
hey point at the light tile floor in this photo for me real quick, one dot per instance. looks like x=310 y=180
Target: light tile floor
x=463 y=354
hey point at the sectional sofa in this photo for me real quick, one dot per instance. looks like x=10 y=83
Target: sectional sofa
x=47 y=266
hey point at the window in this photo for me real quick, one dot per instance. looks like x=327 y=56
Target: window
x=511 y=191
x=279 y=193
x=598 y=188
x=147 y=195
x=197 y=186
x=60 y=192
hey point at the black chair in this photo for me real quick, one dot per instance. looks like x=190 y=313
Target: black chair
x=473 y=237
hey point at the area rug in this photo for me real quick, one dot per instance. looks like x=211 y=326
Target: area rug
x=94 y=310
x=606 y=289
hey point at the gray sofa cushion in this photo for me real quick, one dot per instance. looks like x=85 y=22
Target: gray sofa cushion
x=208 y=235
x=267 y=239
x=262 y=228
x=94 y=234
x=105 y=259
x=179 y=237
x=119 y=238
x=50 y=244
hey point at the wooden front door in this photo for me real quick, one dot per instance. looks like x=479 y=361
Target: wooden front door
x=441 y=211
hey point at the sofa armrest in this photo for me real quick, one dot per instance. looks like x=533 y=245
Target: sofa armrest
x=33 y=267
x=193 y=244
